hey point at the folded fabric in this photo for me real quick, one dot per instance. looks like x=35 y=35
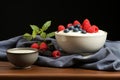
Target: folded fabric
x=107 y=58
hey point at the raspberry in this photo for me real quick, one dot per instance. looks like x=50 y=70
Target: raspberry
x=35 y=45
x=56 y=53
x=92 y=29
x=69 y=24
x=95 y=28
x=86 y=26
x=76 y=22
x=43 y=46
x=61 y=27
x=86 y=21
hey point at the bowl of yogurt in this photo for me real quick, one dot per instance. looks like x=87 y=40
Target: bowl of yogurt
x=79 y=40
x=22 y=57
x=82 y=43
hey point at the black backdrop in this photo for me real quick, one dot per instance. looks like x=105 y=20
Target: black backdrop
x=17 y=15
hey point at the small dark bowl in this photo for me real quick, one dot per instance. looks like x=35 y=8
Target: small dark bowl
x=22 y=57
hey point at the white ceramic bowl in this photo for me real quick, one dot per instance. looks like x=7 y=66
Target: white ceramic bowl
x=81 y=43
x=22 y=57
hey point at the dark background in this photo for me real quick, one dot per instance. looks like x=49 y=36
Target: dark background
x=17 y=15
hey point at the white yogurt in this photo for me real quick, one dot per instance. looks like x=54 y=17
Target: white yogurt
x=21 y=51
x=71 y=33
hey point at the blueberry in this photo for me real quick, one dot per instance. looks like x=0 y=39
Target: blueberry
x=71 y=27
x=51 y=47
x=75 y=30
x=83 y=31
x=66 y=30
x=80 y=29
x=46 y=53
x=77 y=26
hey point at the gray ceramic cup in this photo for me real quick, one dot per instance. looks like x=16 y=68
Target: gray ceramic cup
x=22 y=57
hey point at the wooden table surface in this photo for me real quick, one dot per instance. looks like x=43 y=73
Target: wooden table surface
x=7 y=72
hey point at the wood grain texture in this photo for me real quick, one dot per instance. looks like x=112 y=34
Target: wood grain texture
x=8 y=72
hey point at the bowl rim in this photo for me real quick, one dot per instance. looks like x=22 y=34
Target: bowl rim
x=9 y=51
x=104 y=33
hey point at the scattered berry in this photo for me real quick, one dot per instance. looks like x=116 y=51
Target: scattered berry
x=56 y=53
x=43 y=46
x=51 y=47
x=61 y=27
x=35 y=45
x=46 y=53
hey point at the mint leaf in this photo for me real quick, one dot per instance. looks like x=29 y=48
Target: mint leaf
x=46 y=25
x=27 y=36
x=39 y=31
x=34 y=33
x=35 y=28
x=43 y=35
x=50 y=34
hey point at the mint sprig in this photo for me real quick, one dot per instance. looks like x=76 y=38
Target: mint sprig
x=39 y=31
x=46 y=26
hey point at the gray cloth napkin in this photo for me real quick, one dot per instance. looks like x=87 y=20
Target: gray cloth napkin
x=107 y=58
